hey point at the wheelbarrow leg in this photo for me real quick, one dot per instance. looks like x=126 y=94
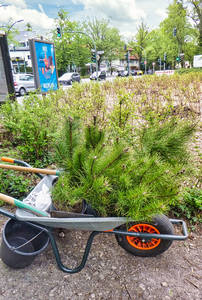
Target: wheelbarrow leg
x=85 y=255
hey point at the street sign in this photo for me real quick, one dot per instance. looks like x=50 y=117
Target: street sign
x=197 y=61
x=100 y=52
x=165 y=72
x=145 y=62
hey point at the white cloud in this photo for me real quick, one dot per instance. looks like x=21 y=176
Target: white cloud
x=122 y=14
x=37 y=19
x=121 y=10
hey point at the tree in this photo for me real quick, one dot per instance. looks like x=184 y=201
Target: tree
x=140 y=42
x=185 y=33
x=176 y=19
x=71 y=47
x=28 y=27
x=156 y=46
x=106 y=38
x=195 y=13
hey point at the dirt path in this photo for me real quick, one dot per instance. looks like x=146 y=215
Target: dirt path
x=110 y=272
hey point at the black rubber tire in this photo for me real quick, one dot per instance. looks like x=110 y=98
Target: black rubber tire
x=161 y=223
x=22 y=91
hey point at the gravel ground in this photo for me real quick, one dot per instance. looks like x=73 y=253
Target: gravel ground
x=110 y=272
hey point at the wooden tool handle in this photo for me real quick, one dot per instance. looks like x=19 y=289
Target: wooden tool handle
x=30 y=170
x=7 y=199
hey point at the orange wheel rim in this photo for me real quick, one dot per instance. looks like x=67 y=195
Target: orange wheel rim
x=140 y=243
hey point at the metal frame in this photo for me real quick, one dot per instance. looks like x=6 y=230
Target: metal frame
x=65 y=269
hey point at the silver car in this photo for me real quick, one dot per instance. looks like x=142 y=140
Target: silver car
x=101 y=75
x=68 y=78
x=23 y=83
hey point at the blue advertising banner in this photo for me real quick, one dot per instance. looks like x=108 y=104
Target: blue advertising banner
x=46 y=65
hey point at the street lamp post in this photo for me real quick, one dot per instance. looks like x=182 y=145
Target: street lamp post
x=13 y=25
x=94 y=45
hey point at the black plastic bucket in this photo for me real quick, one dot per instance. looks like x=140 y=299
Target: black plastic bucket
x=21 y=242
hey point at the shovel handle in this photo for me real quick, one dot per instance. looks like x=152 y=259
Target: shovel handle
x=30 y=170
x=7 y=199
x=23 y=205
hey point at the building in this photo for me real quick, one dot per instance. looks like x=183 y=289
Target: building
x=122 y=64
x=20 y=53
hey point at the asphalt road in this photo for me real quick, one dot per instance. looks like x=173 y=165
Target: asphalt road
x=85 y=80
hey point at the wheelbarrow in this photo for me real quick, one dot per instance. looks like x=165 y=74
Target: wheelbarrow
x=33 y=226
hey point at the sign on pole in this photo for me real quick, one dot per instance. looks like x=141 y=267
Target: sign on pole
x=44 y=65
x=197 y=61
x=165 y=72
x=6 y=77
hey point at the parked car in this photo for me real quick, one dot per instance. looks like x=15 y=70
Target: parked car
x=68 y=78
x=136 y=72
x=122 y=73
x=101 y=75
x=23 y=83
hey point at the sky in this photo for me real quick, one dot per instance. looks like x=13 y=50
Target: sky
x=122 y=14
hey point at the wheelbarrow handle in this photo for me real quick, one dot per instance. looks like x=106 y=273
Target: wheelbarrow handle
x=8 y=159
x=23 y=205
x=30 y=170
x=19 y=162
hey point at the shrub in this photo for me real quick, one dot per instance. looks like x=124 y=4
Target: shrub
x=13 y=184
x=189 y=206
x=120 y=179
x=32 y=126
x=188 y=70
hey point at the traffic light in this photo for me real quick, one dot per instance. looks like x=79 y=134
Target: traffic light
x=174 y=31
x=93 y=57
x=178 y=58
x=165 y=57
x=58 y=32
x=126 y=56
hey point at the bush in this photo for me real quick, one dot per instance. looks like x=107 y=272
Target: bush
x=13 y=184
x=121 y=179
x=188 y=70
x=189 y=206
x=32 y=126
